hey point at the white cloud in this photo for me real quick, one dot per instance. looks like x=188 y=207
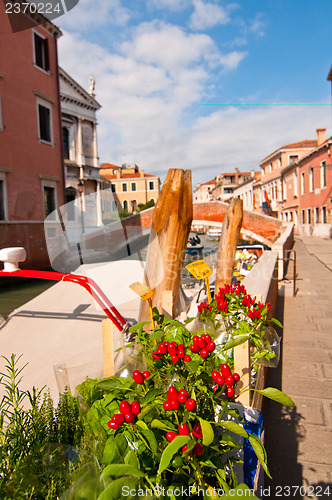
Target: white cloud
x=258 y=25
x=206 y=15
x=168 y=46
x=175 y=5
x=89 y=14
x=232 y=60
x=150 y=92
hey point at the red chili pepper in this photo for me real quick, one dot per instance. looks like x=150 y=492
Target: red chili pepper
x=197 y=430
x=184 y=430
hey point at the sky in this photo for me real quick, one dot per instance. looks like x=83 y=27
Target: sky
x=205 y=85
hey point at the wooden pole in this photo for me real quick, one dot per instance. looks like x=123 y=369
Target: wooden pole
x=170 y=228
x=108 y=347
x=230 y=233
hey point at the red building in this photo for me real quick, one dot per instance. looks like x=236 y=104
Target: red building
x=315 y=191
x=31 y=164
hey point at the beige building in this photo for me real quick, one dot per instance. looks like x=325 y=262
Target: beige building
x=130 y=186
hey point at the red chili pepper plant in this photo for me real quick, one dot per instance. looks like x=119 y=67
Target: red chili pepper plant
x=175 y=422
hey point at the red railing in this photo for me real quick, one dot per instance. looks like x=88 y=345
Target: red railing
x=87 y=283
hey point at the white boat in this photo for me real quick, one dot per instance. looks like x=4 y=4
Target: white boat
x=214 y=233
x=192 y=249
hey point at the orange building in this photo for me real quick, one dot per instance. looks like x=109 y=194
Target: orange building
x=31 y=165
x=130 y=186
x=315 y=191
x=273 y=189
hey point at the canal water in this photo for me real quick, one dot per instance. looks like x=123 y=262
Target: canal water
x=16 y=292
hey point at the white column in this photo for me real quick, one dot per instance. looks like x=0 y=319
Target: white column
x=99 y=220
x=80 y=155
x=95 y=146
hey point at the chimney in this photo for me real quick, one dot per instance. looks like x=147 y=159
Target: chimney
x=321 y=136
x=141 y=173
x=118 y=174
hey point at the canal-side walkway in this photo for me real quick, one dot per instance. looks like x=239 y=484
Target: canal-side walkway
x=299 y=441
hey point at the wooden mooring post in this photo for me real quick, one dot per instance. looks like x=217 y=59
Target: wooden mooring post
x=170 y=228
x=230 y=233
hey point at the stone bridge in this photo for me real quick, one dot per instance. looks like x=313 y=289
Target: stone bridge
x=262 y=228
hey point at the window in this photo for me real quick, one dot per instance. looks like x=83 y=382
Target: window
x=303 y=216
x=133 y=186
x=302 y=183
x=65 y=134
x=322 y=174
x=124 y=187
x=151 y=185
x=271 y=167
x=311 y=179
x=316 y=215
x=295 y=183
x=41 y=52
x=70 y=196
x=113 y=188
x=2 y=200
x=44 y=122
x=324 y=215
x=125 y=205
x=309 y=215
x=49 y=200
x=293 y=158
x=1 y=122
x=285 y=189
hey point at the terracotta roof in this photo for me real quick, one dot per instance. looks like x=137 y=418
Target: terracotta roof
x=308 y=143
x=135 y=175
x=109 y=165
x=209 y=182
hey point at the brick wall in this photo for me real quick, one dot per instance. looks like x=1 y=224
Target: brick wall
x=262 y=225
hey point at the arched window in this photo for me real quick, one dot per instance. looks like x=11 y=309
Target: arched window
x=65 y=135
x=125 y=205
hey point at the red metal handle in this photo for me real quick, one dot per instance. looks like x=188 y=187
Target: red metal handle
x=83 y=281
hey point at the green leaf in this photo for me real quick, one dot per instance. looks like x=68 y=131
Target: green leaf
x=276 y=395
x=115 y=489
x=235 y=341
x=157 y=335
x=145 y=411
x=241 y=491
x=162 y=424
x=121 y=470
x=151 y=439
x=121 y=443
x=233 y=427
x=141 y=424
x=260 y=452
x=131 y=459
x=151 y=396
x=208 y=434
x=111 y=452
x=276 y=322
x=169 y=451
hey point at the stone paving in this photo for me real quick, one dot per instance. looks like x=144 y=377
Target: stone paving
x=299 y=441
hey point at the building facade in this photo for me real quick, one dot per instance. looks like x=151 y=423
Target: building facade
x=221 y=188
x=246 y=191
x=274 y=186
x=204 y=192
x=79 y=132
x=130 y=186
x=31 y=164
x=315 y=191
x=226 y=183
